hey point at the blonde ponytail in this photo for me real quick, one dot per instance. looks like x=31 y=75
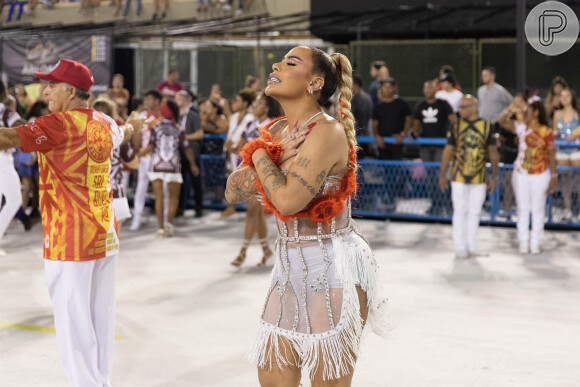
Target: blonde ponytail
x=345 y=117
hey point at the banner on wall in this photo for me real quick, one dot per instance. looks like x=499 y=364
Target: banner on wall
x=21 y=58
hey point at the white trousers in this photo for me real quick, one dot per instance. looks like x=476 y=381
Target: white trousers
x=467 y=203
x=141 y=189
x=531 y=194
x=10 y=189
x=83 y=298
x=125 y=180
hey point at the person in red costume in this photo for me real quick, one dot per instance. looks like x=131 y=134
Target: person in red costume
x=80 y=234
x=303 y=169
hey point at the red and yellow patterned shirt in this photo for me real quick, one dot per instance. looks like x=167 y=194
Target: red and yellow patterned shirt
x=74 y=155
x=533 y=148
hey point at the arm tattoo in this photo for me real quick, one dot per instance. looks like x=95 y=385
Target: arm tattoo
x=303 y=162
x=313 y=191
x=320 y=177
x=269 y=170
x=241 y=185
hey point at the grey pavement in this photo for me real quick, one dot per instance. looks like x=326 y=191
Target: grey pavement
x=185 y=317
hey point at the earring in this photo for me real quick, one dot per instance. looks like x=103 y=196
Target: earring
x=310 y=91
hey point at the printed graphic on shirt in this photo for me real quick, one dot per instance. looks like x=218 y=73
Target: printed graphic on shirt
x=167 y=139
x=471 y=140
x=75 y=195
x=124 y=153
x=430 y=115
x=533 y=149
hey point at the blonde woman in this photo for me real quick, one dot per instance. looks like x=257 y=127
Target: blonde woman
x=323 y=288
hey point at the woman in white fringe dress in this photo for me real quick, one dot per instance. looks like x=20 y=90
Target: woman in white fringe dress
x=324 y=286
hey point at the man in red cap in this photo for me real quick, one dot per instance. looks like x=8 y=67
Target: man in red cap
x=81 y=242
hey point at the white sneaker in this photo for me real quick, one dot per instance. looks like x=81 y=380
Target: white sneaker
x=135 y=225
x=535 y=248
x=524 y=247
x=567 y=216
x=169 y=229
x=461 y=255
x=477 y=253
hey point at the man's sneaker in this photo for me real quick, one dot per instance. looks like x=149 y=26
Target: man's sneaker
x=535 y=248
x=461 y=255
x=524 y=247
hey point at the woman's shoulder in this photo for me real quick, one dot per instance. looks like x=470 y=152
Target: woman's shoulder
x=328 y=127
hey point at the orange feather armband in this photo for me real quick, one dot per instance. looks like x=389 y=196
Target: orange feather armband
x=274 y=149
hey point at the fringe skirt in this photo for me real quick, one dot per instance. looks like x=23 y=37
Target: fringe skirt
x=311 y=318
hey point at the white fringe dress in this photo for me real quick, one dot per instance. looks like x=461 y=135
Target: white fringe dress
x=311 y=318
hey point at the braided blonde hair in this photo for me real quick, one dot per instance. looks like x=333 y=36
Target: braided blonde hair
x=337 y=72
x=345 y=117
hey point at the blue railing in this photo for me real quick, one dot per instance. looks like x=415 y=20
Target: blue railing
x=407 y=141
x=410 y=189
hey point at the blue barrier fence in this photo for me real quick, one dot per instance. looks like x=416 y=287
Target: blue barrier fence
x=410 y=189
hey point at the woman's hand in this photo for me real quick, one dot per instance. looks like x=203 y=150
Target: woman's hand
x=290 y=145
x=194 y=170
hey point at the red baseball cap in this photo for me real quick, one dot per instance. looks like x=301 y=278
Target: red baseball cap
x=69 y=71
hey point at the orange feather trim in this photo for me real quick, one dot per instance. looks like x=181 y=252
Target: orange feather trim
x=323 y=208
x=274 y=149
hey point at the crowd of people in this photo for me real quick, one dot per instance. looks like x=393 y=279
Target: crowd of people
x=167 y=153
x=383 y=113
x=122 y=7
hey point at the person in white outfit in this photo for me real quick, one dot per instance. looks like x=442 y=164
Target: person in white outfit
x=152 y=117
x=9 y=180
x=239 y=123
x=469 y=144
x=448 y=91
x=531 y=179
x=80 y=246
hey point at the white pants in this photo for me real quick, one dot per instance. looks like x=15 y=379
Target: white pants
x=141 y=189
x=531 y=194
x=83 y=298
x=467 y=202
x=125 y=180
x=10 y=188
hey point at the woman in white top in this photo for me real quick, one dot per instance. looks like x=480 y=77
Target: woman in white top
x=239 y=122
x=567 y=128
x=265 y=109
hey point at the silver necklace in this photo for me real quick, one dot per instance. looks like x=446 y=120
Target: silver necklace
x=293 y=136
